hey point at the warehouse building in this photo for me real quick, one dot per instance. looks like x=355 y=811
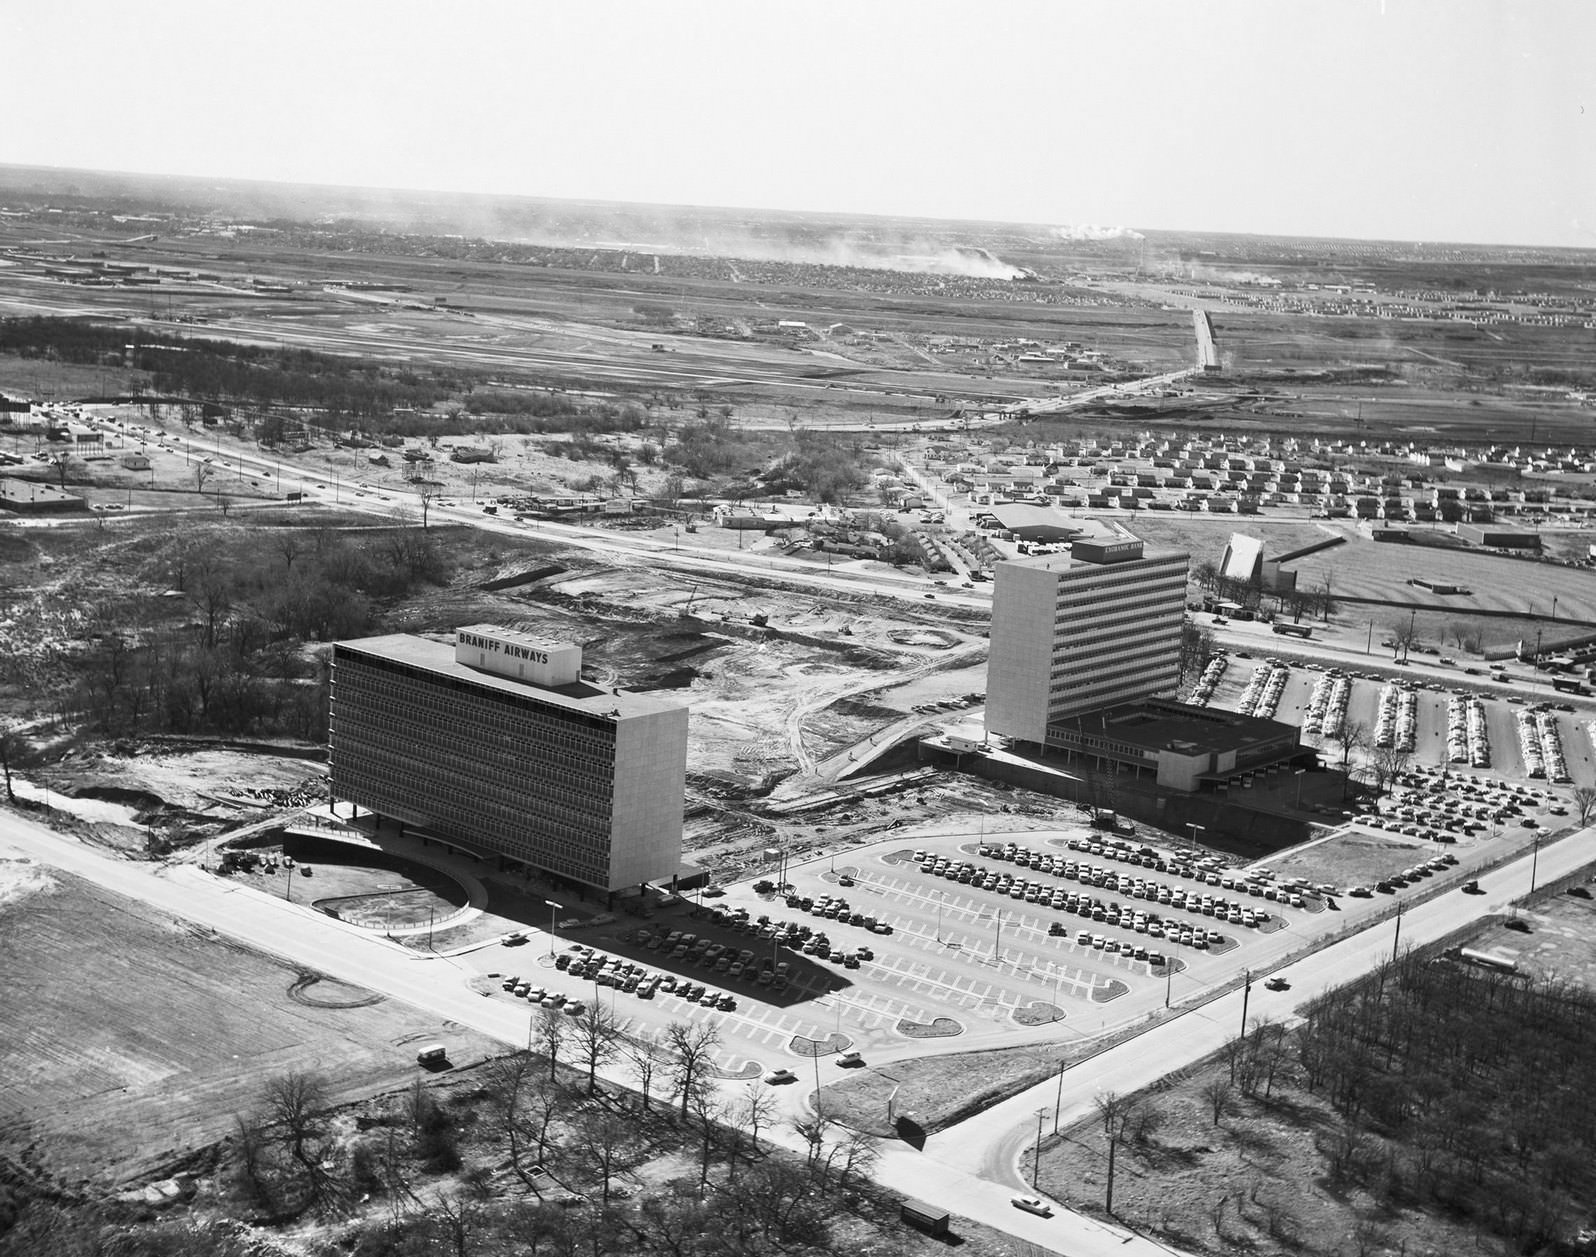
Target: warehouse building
x=32 y=497
x=1497 y=538
x=498 y=747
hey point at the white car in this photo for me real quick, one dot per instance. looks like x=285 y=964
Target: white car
x=778 y=1076
x=1033 y=1205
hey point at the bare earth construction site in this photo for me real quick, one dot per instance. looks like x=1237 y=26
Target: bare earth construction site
x=767 y=466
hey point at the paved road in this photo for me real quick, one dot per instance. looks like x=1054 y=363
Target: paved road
x=971 y=1167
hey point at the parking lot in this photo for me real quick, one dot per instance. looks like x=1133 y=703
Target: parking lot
x=1294 y=703
x=909 y=939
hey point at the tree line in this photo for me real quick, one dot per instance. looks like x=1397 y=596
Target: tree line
x=1462 y=1087
x=251 y=601
x=217 y=371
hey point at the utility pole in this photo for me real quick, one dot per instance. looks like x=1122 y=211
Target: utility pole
x=1246 y=994
x=1058 y=1102
x=1036 y=1163
x=1396 y=941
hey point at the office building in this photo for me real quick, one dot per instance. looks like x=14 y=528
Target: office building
x=1085 y=647
x=1074 y=633
x=497 y=746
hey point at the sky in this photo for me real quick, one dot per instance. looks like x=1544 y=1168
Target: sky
x=1440 y=120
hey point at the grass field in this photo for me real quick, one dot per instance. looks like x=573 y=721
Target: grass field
x=1354 y=857
x=129 y=1040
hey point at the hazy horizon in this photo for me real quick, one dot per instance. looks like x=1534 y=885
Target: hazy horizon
x=1459 y=122
x=1090 y=231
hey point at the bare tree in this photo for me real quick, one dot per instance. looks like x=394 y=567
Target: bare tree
x=288 y=543
x=202 y=473
x=295 y=1106
x=456 y=1222
x=757 y=1109
x=853 y=1157
x=11 y=748
x=1386 y=766
x=1585 y=800
x=595 y=1034
x=507 y=1078
x=692 y=1052
x=606 y=1140
x=1217 y=1092
x=1403 y=637
x=642 y=1056
x=550 y=1033
x=64 y=462
x=210 y=591
x=424 y=496
x=1114 y=1111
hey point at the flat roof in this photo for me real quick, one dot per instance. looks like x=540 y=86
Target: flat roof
x=1164 y=725
x=438 y=658
x=1014 y=515
x=1062 y=562
x=521 y=637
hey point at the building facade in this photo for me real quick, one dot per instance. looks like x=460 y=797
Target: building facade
x=499 y=747
x=1075 y=633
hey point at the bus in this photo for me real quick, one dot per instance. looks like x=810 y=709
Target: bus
x=1293 y=630
x=1568 y=685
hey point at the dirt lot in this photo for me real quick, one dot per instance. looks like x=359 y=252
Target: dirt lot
x=128 y=1040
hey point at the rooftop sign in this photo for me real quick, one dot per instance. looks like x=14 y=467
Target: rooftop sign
x=518 y=655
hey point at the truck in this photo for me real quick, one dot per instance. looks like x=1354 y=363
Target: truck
x=928 y=1218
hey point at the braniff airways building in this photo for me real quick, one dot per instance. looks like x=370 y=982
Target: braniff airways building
x=497 y=746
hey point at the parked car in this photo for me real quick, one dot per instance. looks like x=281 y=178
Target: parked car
x=777 y=1077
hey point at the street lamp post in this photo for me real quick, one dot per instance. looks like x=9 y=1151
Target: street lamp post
x=1535 y=855
x=1396 y=941
x=1036 y=1162
x=1169 y=978
x=553 y=908
x=1195 y=830
x=288 y=891
x=1246 y=994
x=1299 y=774
x=940 y=899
